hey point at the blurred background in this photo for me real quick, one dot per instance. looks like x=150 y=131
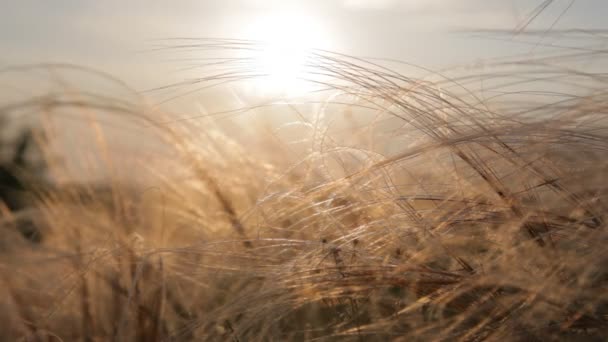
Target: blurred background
x=116 y=36
x=133 y=44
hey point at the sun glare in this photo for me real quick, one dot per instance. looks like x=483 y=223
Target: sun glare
x=283 y=55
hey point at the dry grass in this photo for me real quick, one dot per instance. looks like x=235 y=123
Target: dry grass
x=429 y=212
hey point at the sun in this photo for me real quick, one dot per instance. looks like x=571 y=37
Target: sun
x=282 y=56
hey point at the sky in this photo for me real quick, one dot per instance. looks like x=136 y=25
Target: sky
x=118 y=37
x=115 y=36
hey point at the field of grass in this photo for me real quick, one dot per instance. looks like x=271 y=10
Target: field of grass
x=387 y=207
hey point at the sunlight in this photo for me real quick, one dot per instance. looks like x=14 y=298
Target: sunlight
x=283 y=57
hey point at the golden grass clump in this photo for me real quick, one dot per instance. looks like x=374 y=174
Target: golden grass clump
x=401 y=208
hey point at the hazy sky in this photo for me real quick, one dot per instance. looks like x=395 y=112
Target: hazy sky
x=116 y=36
x=111 y=34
